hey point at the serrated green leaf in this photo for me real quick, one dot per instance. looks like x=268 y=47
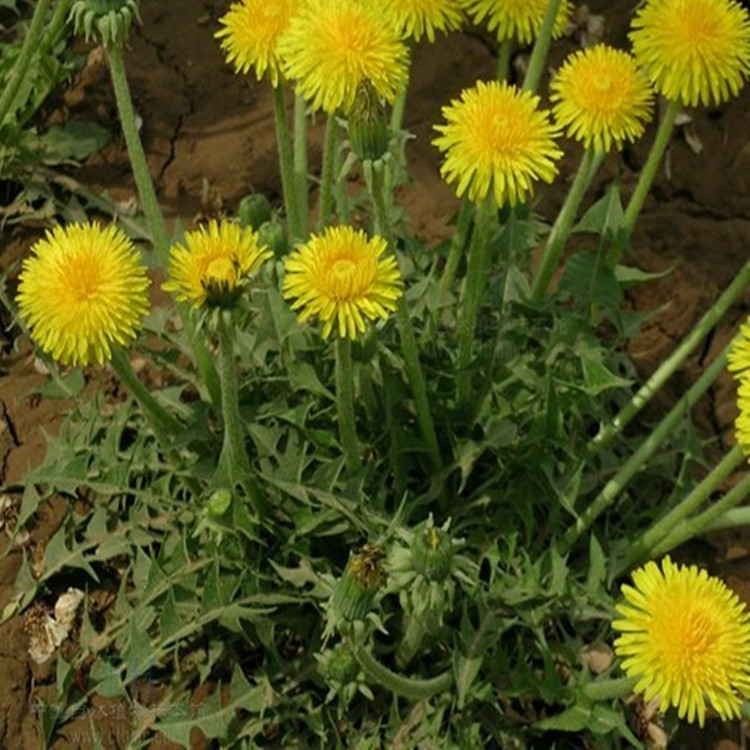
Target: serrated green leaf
x=597 y=566
x=169 y=620
x=605 y=215
x=212 y=718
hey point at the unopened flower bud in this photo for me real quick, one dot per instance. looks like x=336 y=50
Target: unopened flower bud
x=340 y=665
x=254 y=211
x=356 y=589
x=432 y=553
x=368 y=127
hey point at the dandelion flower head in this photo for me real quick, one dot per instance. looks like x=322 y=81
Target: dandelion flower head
x=685 y=636
x=420 y=18
x=601 y=97
x=739 y=365
x=333 y=46
x=516 y=19
x=344 y=279
x=694 y=51
x=251 y=32
x=214 y=263
x=496 y=139
x=83 y=290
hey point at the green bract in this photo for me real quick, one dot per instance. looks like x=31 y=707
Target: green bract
x=107 y=20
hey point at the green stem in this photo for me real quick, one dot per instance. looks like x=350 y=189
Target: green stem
x=327 y=176
x=647 y=448
x=289 y=184
x=541 y=47
x=397 y=684
x=648 y=173
x=560 y=232
x=476 y=280
x=25 y=56
x=409 y=347
x=234 y=464
x=55 y=28
x=300 y=164
x=345 y=402
x=152 y=210
x=340 y=193
x=138 y=163
x=458 y=242
x=647 y=391
x=503 y=59
x=162 y=422
x=643 y=547
x=730 y=519
x=604 y=690
x=399 y=108
x=702 y=522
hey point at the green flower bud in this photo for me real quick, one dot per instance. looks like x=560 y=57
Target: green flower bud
x=254 y=211
x=432 y=553
x=356 y=589
x=340 y=665
x=219 y=502
x=108 y=20
x=368 y=127
x=273 y=235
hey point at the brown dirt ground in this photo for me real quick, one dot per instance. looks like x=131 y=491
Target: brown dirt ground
x=207 y=130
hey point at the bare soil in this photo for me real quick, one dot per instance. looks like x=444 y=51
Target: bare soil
x=209 y=136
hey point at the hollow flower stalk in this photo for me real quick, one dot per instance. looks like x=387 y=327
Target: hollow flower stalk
x=496 y=140
x=685 y=636
x=83 y=292
x=250 y=34
x=601 y=98
x=333 y=46
x=693 y=51
x=416 y=19
x=517 y=20
x=213 y=264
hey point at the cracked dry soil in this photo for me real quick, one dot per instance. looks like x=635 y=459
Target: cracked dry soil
x=209 y=134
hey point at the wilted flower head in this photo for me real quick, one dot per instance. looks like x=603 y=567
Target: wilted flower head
x=250 y=34
x=516 y=19
x=333 y=46
x=694 y=51
x=83 y=291
x=343 y=278
x=601 y=97
x=213 y=264
x=418 y=18
x=497 y=140
x=686 y=637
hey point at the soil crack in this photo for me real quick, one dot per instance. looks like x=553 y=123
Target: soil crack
x=160 y=50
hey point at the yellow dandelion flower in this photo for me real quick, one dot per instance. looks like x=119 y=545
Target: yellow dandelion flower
x=418 y=18
x=497 y=139
x=516 y=19
x=83 y=291
x=686 y=637
x=334 y=46
x=742 y=422
x=214 y=264
x=343 y=278
x=693 y=50
x=250 y=34
x=739 y=355
x=601 y=97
